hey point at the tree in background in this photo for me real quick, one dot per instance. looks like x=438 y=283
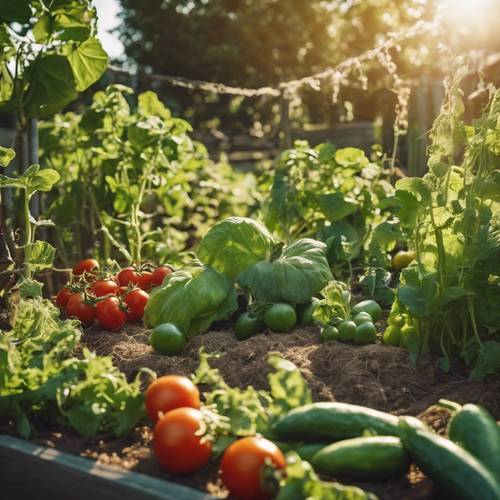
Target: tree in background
x=261 y=42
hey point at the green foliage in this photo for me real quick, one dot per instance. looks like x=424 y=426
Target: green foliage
x=249 y=411
x=54 y=52
x=295 y=274
x=131 y=172
x=334 y=195
x=234 y=245
x=39 y=377
x=450 y=215
x=37 y=254
x=192 y=299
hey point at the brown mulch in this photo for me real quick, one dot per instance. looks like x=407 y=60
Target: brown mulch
x=377 y=376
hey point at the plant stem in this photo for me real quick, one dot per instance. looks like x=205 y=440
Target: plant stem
x=27 y=236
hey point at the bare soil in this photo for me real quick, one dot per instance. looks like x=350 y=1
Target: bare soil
x=376 y=376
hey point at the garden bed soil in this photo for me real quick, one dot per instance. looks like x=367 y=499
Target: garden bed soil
x=377 y=376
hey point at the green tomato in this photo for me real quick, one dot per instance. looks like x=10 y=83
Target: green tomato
x=369 y=306
x=329 y=333
x=392 y=335
x=248 y=325
x=366 y=333
x=306 y=312
x=347 y=330
x=362 y=317
x=397 y=320
x=167 y=339
x=280 y=317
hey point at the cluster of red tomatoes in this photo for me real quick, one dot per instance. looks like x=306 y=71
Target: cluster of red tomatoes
x=111 y=299
x=182 y=445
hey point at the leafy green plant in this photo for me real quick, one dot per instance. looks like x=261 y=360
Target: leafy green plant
x=37 y=254
x=131 y=173
x=49 y=53
x=192 y=299
x=40 y=379
x=245 y=251
x=450 y=215
x=336 y=195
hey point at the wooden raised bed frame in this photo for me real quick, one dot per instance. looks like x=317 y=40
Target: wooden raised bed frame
x=29 y=471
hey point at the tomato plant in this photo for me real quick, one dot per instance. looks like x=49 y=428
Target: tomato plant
x=136 y=301
x=110 y=314
x=178 y=442
x=145 y=280
x=168 y=393
x=103 y=287
x=159 y=274
x=63 y=297
x=128 y=276
x=85 y=266
x=77 y=307
x=242 y=467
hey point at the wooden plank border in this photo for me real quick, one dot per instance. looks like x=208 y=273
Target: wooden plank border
x=29 y=471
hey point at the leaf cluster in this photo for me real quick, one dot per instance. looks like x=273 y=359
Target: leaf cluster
x=41 y=379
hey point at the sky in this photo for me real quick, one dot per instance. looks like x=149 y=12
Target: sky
x=107 y=11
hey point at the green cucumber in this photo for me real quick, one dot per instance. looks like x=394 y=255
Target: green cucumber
x=456 y=470
x=307 y=451
x=475 y=430
x=333 y=422
x=363 y=458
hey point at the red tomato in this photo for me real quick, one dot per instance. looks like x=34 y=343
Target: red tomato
x=178 y=446
x=168 y=393
x=85 y=266
x=241 y=467
x=136 y=301
x=110 y=314
x=78 y=308
x=159 y=275
x=104 y=287
x=128 y=275
x=121 y=290
x=62 y=297
x=146 y=280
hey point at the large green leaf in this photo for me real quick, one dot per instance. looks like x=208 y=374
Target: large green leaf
x=17 y=11
x=336 y=206
x=51 y=86
x=88 y=62
x=192 y=298
x=233 y=245
x=299 y=273
x=41 y=255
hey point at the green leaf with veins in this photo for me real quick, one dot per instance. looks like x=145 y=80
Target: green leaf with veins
x=88 y=62
x=41 y=255
x=51 y=85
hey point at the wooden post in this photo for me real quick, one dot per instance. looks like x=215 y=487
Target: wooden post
x=285 y=131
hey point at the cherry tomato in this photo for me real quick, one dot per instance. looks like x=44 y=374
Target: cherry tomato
x=85 y=266
x=110 y=314
x=136 y=301
x=242 y=465
x=78 y=308
x=146 y=280
x=168 y=393
x=159 y=275
x=62 y=297
x=128 y=275
x=104 y=287
x=178 y=446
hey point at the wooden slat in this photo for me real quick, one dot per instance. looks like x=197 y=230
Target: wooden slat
x=29 y=471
